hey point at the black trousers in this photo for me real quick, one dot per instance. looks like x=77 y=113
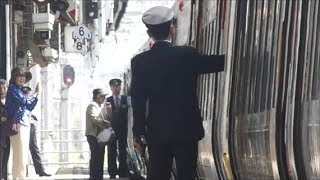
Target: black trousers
x=121 y=141
x=33 y=147
x=4 y=156
x=161 y=159
x=97 y=158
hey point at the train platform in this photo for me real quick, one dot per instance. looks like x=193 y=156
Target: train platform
x=75 y=173
x=68 y=177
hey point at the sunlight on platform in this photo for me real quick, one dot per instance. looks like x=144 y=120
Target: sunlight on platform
x=67 y=177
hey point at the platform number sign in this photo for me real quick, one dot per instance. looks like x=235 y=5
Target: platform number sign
x=80 y=35
x=82 y=32
x=80 y=46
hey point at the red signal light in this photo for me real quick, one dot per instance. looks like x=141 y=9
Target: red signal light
x=68 y=75
x=69 y=80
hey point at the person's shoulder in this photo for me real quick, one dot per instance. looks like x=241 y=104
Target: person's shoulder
x=11 y=87
x=186 y=48
x=91 y=105
x=139 y=57
x=12 y=90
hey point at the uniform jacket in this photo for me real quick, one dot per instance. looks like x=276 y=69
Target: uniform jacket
x=97 y=118
x=166 y=76
x=119 y=121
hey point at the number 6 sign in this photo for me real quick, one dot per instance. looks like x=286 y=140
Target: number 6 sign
x=81 y=32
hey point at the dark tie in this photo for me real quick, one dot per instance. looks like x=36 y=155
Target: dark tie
x=117 y=104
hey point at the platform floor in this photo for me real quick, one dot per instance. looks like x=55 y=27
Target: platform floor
x=65 y=174
x=68 y=177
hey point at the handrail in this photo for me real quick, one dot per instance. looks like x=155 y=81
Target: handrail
x=43 y=152
x=63 y=130
x=58 y=141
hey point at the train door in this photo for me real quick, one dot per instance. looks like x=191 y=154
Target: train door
x=306 y=110
x=255 y=89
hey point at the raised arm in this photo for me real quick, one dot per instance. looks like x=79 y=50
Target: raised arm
x=22 y=100
x=138 y=98
x=31 y=102
x=208 y=63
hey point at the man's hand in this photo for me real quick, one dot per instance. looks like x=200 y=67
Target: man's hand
x=107 y=124
x=14 y=127
x=140 y=144
x=108 y=107
x=137 y=144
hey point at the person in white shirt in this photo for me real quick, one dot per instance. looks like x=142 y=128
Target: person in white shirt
x=98 y=116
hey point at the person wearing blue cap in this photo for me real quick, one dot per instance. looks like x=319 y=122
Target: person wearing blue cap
x=166 y=77
x=119 y=123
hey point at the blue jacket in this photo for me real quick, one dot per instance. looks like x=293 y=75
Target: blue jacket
x=16 y=100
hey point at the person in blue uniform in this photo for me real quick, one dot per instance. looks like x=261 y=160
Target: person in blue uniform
x=166 y=77
x=119 y=123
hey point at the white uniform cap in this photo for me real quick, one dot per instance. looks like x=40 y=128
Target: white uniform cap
x=157 y=15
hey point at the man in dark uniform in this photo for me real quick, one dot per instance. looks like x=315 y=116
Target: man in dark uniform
x=4 y=140
x=166 y=76
x=33 y=147
x=119 y=123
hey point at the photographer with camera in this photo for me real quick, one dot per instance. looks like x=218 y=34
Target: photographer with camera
x=98 y=116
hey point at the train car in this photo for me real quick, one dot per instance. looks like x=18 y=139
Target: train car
x=261 y=115
x=199 y=24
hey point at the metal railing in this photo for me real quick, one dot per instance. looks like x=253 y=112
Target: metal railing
x=61 y=149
